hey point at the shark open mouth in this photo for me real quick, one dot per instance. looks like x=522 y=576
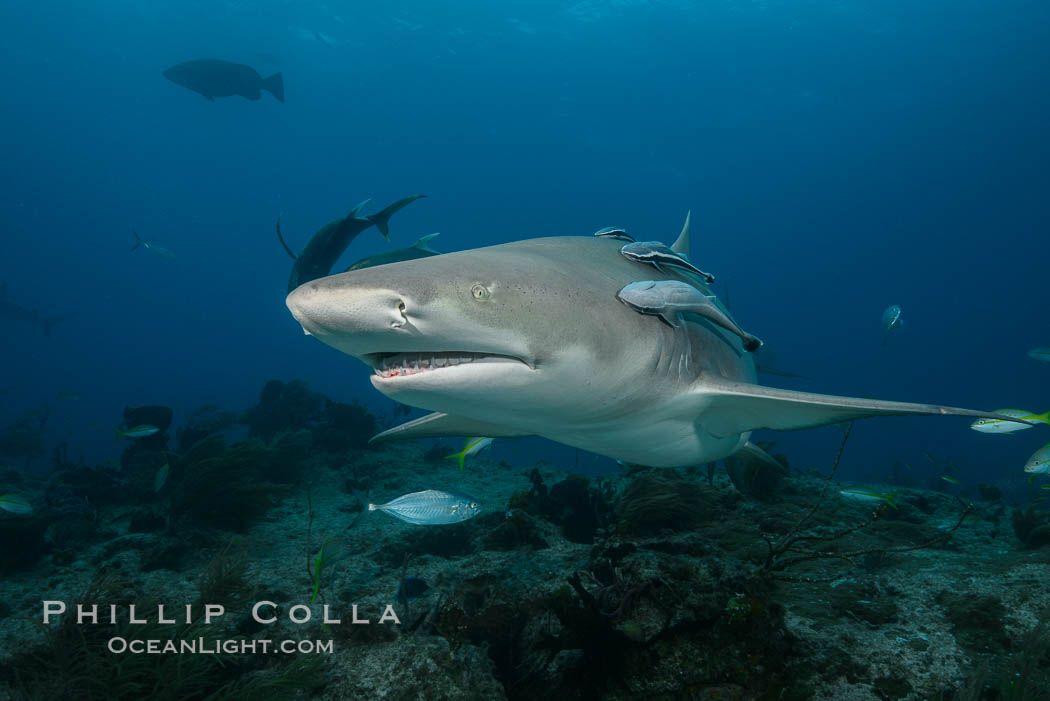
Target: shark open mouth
x=388 y=365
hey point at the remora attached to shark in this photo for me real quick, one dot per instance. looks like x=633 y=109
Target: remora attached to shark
x=529 y=338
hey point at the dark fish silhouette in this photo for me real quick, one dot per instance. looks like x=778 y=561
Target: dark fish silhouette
x=330 y=242
x=410 y=588
x=214 y=78
x=9 y=311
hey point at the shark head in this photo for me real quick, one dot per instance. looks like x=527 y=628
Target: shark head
x=502 y=333
x=529 y=338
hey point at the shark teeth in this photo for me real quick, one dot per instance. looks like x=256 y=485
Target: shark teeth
x=401 y=364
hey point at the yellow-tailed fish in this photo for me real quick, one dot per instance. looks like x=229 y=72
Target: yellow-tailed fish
x=161 y=477
x=1039 y=463
x=948 y=478
x=16 y=504
x=473 y=446
x=136 y=431
x=872 y=496
x=1003 y=426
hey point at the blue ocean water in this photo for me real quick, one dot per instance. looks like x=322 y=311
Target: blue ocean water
x=838 y=157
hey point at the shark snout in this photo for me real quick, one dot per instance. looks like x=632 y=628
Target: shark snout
x=336 y=313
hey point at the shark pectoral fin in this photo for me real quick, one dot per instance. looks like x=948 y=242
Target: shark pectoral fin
x=732 y=408
x=438 y=425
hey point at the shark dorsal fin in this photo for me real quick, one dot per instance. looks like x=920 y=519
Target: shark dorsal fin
x=423 y=243
x=681 y=244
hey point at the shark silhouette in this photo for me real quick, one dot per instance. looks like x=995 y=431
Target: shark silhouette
x=10 y=311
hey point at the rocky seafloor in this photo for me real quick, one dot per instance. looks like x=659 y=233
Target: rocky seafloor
x=650 y=583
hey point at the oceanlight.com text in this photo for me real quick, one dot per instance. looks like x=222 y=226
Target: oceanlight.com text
x=212 y=646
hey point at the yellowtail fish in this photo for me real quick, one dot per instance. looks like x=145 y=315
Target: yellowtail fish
x=946 y=478
x=473 y=446
x=1003 y=426
x=136 y=431
x=1040 y=353
x=161 y=477
x=16 y=504
x=1045 y=486
x=871 y=496
x=430 y=508
x=1039 y=463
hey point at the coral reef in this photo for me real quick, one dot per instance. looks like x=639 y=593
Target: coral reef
x=662 y=499
x=650 y=583
x=1031 y=527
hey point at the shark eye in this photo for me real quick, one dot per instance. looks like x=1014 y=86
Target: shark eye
x=479 y=292
x=473 y=504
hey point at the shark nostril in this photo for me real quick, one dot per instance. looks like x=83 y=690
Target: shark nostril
x=401 y=311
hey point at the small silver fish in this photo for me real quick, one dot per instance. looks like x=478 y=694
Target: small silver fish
x=161 y=477
x=614 y=232
x=668 y=299
x=1039 y=463
x=870 y=496
x=430 y=508
x=1040 y=353
x=656 y=254
x=987 y=425
x=140 y=431
x=16 y=504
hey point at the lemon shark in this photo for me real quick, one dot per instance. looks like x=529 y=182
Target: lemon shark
x=529 y=338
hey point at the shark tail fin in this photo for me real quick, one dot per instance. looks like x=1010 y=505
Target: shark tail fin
x=275 y=86
x=381 y=219
x=423 y=243
x=731 y=408
x=280 y=237
x=138 y=240
x=681 y=244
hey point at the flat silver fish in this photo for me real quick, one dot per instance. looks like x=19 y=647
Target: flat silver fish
x=614 y=232
x=668 y=299
x=656 y=254
x=430 y=508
